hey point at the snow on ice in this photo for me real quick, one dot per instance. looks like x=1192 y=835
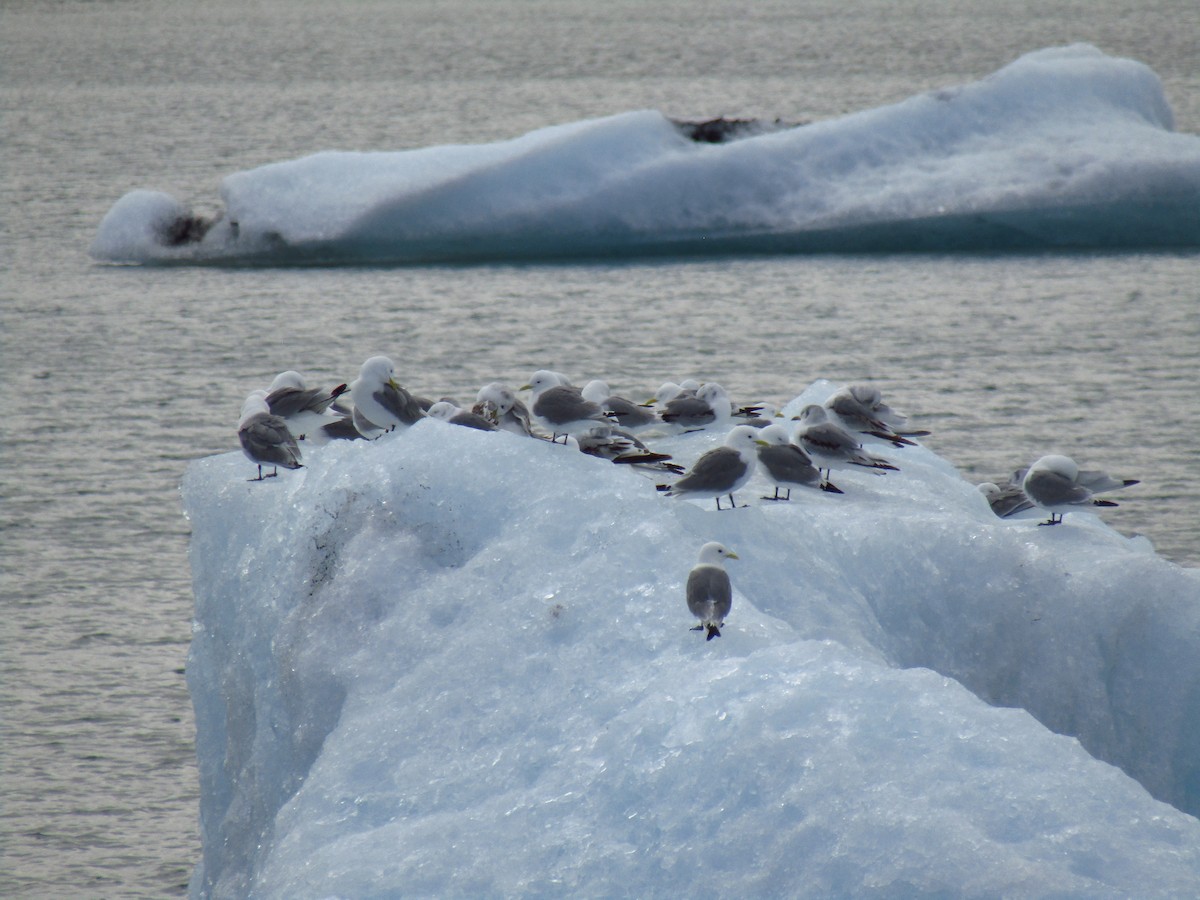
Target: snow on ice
x=456 y=663
x=1065 y=147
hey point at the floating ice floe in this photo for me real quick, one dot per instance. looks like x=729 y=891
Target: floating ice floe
x=1063 y=148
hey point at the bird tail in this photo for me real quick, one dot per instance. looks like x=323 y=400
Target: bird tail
x=713 y=630
x=831 y=487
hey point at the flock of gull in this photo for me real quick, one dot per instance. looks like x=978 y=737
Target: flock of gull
x=801 y=452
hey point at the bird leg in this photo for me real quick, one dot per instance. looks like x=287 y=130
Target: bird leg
x=1055 y=519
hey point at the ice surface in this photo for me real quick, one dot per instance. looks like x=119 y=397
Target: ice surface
x=457 y=663
x=1065 y=147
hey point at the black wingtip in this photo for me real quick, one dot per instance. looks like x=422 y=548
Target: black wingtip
x=662 y=487
x=831 y=488
x=1105 y=503
x=1130 y=482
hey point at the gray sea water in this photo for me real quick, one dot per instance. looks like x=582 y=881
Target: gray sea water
x=116 y=377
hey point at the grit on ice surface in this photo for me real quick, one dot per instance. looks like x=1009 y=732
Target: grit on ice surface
x=450 y=662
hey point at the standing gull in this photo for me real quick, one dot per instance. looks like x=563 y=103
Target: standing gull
x=830 y=445
x=1057 y=485
x=720 y=471
x=709 y=594
x=559 y=407
x=265 y=438
x=380 y=400
x=786 y=464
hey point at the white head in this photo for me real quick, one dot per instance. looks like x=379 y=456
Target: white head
x=378 y=370
x=1060 y=465
x=288 y=379
x=543 y=379
x=773 y=436
x=713 y=552
x=597 y=391
x=813 y=414
x=742 y=438
x=499 y=394
x=444 y=410
x=715 y=396
x=254 y=404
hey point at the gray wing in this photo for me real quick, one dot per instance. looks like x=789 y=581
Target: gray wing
x=400 y=403
x=789 y=464
x=290 y=401
x=829 y=438
x=717 y=470
x=1052 y=489
x=709 y=595
x=473 y=420
x=1009 y=500
x=688 y=411
x=563 y=405
x=1097 y=482
x=628 y=414
x=265 y=439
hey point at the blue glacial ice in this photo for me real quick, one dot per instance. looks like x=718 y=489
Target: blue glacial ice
x=1063 y=148
x=457 y=663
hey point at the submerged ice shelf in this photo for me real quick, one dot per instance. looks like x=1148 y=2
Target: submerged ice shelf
x=458 y=663
x=1063 y=148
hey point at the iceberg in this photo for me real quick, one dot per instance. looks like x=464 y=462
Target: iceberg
x=457 y=663
x=1063 y=148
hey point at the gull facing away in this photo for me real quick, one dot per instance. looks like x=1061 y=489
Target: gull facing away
x=306 y=410
x=265 y=438
x=830 y=445
x=1007 y=498
x=1056 y=484
x=448 y=412
x=560 y=408
x=606 y=442
x=860 y=407
x=380 y=400
x=720 y=471
x=786 y=464
x=709 y=594
x=626 y=413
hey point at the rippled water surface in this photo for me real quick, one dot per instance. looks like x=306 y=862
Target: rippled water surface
x=116 y=377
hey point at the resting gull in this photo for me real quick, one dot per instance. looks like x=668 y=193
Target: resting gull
x=560 y=408
x=1057 y=485
x=626 y=413
x=860 y=407
x=709 y=594
x=307 y=411
x=449 y=412
x=499 y=403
